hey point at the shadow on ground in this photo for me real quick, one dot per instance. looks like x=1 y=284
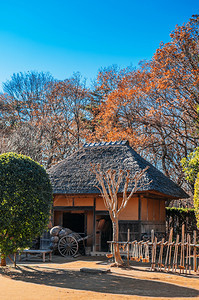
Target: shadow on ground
x=104 y=283
x=58 y=259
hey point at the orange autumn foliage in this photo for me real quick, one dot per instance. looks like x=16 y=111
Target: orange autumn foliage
x=155 y=107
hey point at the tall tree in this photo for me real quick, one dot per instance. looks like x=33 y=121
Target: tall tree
x=26 y=91
x=155 y=107
x=24 y=94
x=108 y=79
x=45 y=119
x=65 y=116
x=109 y=184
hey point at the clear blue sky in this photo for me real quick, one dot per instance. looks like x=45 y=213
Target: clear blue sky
x=64 y=36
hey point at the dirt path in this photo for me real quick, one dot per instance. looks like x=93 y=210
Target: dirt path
x=62 y=279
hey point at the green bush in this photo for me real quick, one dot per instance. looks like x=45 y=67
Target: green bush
x=196 y=199
x=25 y=201
x=190 y=167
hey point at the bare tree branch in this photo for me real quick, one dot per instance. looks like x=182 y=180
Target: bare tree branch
x=110 y=185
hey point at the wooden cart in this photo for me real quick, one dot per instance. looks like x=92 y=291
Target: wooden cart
x=70 y=244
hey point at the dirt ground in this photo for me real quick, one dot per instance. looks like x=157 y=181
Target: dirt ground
x=62 y=279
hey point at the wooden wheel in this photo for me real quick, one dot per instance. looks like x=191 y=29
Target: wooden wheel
x=68 y=246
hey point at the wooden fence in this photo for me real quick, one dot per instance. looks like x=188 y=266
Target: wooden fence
x=172 y=255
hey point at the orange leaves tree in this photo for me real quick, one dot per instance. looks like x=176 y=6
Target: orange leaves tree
x=156 y=106
x=110 y=183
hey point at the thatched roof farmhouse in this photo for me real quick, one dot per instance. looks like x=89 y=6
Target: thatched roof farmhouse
x=77 y=199
x=73 y=175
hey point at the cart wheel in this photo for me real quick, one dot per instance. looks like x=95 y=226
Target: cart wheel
x=68 y=246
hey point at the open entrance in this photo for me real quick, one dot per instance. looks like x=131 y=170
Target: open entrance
x=104 y=233
x=75 y=221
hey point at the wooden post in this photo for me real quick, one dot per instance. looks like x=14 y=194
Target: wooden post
x=152 y=251
x=182 y=252
x=187 y=253
x=168 y=248
x=128 y=240
x=139 y=216
x=152 y=236
x=175 y=257
x=170 y=252
x=189 y=241
x=155 y=247
x=160 y=255
x=194 y=252
x=94 y=224
x=153 y=258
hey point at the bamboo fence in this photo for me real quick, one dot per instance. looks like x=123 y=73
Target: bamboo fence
x=181 y=256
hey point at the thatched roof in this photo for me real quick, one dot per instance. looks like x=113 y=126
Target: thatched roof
x=73 y=175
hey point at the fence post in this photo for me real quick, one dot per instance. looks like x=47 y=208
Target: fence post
x=194 y=251
x=128 y=240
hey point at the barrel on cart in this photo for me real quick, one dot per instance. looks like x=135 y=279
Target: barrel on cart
x=67 y=242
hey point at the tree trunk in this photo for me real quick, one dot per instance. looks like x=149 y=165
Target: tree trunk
x=118 y=259
x=15 y=260
x=3 y=260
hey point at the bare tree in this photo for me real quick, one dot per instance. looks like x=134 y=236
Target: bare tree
x=25 y=92
x=109 y=184
x=43 y=118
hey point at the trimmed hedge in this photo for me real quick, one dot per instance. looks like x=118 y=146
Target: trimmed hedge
x=176 y=217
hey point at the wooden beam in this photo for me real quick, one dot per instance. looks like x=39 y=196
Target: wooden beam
x=85 y=223
x=144 y=193
x=154 y=197
x=102 y=212
x=139 y=214
x=71 y=208
x=139 y=208
x=94 y=223
x=147 y=210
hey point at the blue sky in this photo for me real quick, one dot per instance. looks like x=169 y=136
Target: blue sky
x=63 y=36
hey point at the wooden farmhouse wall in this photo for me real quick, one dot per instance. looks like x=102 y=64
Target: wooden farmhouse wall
x=143 y=213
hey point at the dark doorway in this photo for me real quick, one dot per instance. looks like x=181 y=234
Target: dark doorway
x=106 y=233
x=75 y=222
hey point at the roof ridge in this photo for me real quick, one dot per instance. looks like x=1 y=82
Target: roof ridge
x=125 y=142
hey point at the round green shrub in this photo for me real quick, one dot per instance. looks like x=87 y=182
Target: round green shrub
x=25 y=201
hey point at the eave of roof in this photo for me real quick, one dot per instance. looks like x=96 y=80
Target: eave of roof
x=73 y=175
